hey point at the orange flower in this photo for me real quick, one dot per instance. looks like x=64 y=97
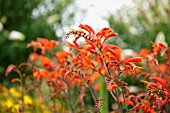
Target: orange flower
x=53 y=76
x=40 y=74
x=43 y=44
x=157 y=48
x=87 y=28
x=62 y=56
x=35 y=45
x=46 y=62
x=112 y=51
x=106 y=33
x=144 y=52
x=33 y=57
x=48 y=44
x=91 y=36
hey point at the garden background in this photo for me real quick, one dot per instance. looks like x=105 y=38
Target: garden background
x=21 y=21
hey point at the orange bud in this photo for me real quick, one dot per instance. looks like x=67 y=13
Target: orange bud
x=15 y=80
x=136 y=59
x=9 y=69
x=150 y=83
x=160 y=80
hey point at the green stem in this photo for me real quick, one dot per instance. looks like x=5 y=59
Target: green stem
x=103 y=93
x=92 y=93
x=109 y=75
x=22 y=92
x=118 y=101
x=69 y=99
x=125 y=101
x=54 y=106
x=117 y=98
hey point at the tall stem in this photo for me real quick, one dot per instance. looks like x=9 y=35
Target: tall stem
x=54 y=106
x=93 y=95
x=125 y=101
x=158 y=68
x=69 y=100
x=108 y=71
x=118 y=101
x=87 y=84
x=105 y=82
x=22 y=92
x=117 y=98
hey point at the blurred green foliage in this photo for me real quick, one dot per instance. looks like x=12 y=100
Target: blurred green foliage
x=147 y=20
x=31 y=19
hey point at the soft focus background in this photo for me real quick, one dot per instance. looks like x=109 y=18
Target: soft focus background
x=136 y=21
x=22 y=21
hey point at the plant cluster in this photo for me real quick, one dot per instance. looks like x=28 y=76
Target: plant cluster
x=69 y=76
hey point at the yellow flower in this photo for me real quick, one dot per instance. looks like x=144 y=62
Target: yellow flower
x=27 y=99
x=9 y=103
x=46 y=111
x=15 y=93
x=15 y=108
